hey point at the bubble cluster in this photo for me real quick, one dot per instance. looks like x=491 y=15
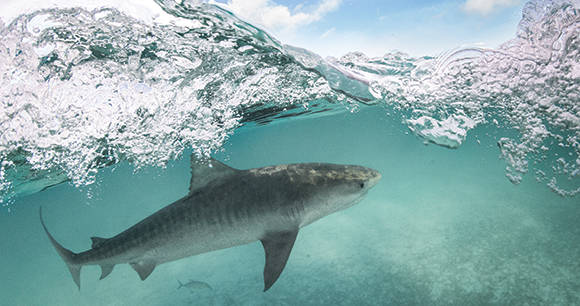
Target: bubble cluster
x=530 y=83
x=83 y=89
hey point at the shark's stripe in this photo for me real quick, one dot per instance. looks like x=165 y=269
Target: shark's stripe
x=226 y=207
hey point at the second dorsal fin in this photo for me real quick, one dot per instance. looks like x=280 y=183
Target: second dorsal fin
x=97 y=242
x=205 y=170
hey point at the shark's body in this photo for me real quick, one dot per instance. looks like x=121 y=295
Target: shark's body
x=227 y=207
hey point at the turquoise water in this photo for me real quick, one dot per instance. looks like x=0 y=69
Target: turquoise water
x=479 y=151
x=440 y=228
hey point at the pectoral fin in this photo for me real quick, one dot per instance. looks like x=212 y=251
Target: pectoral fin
x=277 y=246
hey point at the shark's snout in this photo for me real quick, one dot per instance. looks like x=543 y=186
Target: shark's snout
x=373 y=177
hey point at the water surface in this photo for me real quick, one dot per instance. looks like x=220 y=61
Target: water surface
x=478 y=151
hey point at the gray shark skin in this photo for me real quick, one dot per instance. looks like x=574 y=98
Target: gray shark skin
x=227 y=207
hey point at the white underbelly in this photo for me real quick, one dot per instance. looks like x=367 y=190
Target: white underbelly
x=194 y=241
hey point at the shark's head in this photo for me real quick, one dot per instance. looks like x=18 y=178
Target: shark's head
x=337 y=187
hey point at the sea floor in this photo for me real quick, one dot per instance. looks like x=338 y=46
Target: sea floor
x=442 y=227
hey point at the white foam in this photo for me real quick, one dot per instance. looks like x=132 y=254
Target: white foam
x=144 y=84
x=83 y=89
x=531 y=82
x=449 y=133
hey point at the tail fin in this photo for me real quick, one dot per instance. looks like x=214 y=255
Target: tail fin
x=66 y=255
x=180 y=284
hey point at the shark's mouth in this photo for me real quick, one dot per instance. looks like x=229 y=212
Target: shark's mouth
x=360 y=198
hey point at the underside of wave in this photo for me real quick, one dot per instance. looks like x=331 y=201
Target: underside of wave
x=526 y=90
x=85 y=89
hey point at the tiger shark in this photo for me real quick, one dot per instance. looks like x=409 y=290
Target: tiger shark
x=227 y=207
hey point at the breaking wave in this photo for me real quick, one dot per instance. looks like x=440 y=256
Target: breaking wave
x=87 y=88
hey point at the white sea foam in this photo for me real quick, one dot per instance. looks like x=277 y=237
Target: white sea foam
x=86 y=88
x=82 y=89
x=530 y=82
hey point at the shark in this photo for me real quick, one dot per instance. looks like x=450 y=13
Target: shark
x=228 y=207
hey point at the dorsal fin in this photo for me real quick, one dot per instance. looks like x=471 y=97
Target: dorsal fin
x=97 y=242
x=206 y=170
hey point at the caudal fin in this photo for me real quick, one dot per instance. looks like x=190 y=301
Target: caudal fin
x=66 y=255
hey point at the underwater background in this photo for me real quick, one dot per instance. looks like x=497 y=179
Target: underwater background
x=479 y=151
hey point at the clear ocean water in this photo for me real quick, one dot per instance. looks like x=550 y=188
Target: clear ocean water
x=478 y=150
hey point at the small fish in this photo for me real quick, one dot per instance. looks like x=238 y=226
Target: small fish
x=194 y=286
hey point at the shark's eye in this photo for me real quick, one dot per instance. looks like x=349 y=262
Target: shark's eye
x=362 y=185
